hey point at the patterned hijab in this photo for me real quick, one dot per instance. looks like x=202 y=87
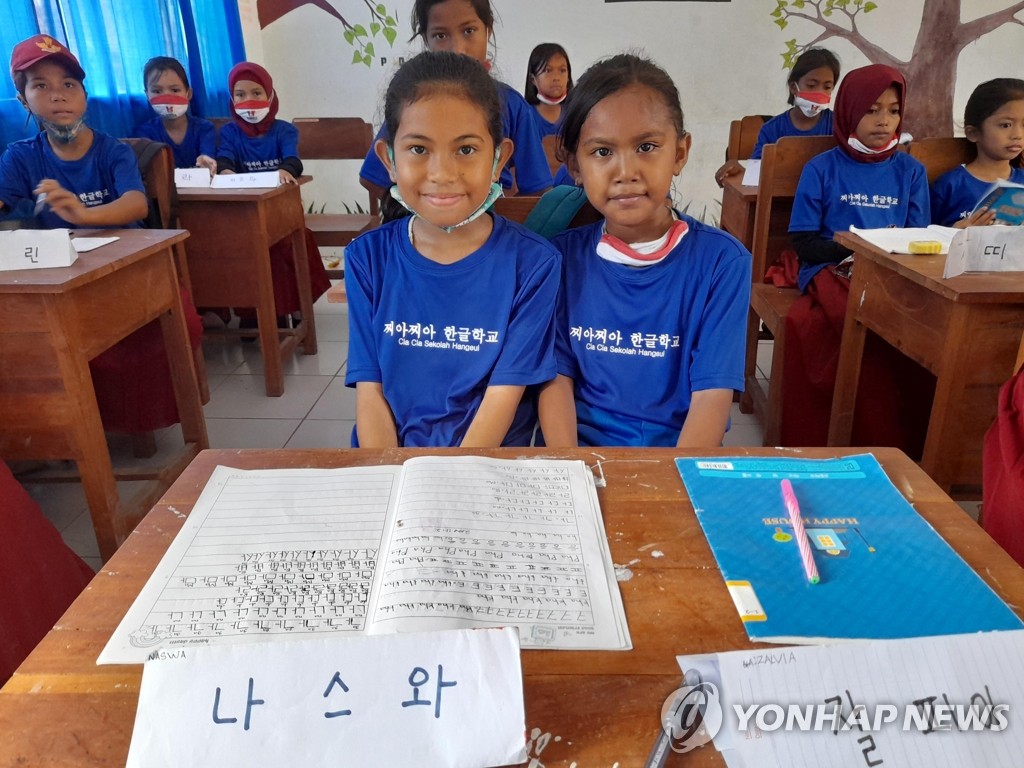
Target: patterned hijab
x=247 y=70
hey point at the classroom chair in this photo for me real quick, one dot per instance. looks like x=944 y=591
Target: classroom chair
x=743 y=136
x=781 y=166
x=337 y=138
x=515 y=208
x=156 y=165
x=940 y=155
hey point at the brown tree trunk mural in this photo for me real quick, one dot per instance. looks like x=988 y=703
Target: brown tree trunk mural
x=931 y=71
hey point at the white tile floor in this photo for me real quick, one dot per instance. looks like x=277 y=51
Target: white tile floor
x=316 y=411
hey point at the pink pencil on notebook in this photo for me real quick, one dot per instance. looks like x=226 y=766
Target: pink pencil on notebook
x=789 y=499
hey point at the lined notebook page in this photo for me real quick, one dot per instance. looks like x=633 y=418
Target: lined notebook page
x=264 y=554
x=491 y=543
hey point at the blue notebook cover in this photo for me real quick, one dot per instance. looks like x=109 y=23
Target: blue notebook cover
x=1006 y=199
x=885 y=572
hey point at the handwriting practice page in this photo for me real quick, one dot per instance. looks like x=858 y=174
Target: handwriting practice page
x=483 y=543
x=264 y=555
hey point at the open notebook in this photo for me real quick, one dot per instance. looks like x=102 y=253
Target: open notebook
x=436 y=543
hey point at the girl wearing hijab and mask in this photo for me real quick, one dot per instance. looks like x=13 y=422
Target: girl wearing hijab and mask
x=865 y=182
x=254 y=142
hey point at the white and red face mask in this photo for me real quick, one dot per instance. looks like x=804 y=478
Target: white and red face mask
x=254 y=111
x=169 y=105
x=811 y=103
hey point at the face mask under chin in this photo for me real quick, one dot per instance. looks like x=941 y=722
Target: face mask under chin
x=62 y=134
x=493 y=194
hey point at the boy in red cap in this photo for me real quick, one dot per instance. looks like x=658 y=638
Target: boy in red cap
x=78 y=177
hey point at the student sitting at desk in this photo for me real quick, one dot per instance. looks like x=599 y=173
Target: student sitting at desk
x=810 y=83
x=451 y=308
x=651 y=314
x=994 y=123
x=865 y=182
x=256 y=141
x=79 y=177
x=192 y=139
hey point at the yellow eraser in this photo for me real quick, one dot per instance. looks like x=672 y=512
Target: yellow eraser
x=925 y=246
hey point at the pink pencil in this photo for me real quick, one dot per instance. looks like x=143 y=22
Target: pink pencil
x=789 y=499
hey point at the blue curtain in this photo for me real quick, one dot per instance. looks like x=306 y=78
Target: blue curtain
x=19 y=23
x=113 y=39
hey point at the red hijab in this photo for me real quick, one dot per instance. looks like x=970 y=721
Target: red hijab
x=859 y=90
x=247 y=70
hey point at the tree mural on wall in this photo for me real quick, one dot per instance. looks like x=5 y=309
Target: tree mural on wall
x=381 y=24
x=931 y=70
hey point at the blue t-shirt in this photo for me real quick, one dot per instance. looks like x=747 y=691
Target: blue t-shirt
x=252 y=154
x=106 y=171
x=836 y=192
x=955 y=193
x=200 y=139
x=437 y=335
x=639 y=341
x=517 y=123
x=782 y=125
x=545 y=127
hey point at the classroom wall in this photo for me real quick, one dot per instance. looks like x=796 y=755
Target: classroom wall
x=726 y=58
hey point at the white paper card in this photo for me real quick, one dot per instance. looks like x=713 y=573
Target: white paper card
x=36 y=249
x=262 y=180
x=452 y=699
x=917 y=703
x=191 y=178
x=86 y=244
x=751 y=173
x=898 y=239
x=986 y=249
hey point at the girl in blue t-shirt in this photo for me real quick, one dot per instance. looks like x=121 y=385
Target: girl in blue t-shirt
x=865 y=181
x=548 y=83
x=256 y=141
x=192 y=139
x=994 y=123
x=467 y=27
x=451 y=309
x=651 y=317
x=810 y=83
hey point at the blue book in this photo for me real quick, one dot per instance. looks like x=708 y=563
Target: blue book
x=1006 y=198
x=884 y=571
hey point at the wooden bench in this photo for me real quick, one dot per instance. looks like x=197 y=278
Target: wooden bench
x=941 y=155
x=337 y=138
x=743 y=136
x=781 y=166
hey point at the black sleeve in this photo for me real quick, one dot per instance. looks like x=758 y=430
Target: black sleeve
x=293 y=165
x=226 y=164
x=812 y=248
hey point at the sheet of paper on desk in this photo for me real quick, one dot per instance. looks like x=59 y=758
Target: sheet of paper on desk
x=899 y=702
x=450 y=699
x=461 y=541
x=751 y=173
x=192 y=178
x=986 y=249
x=86 y=244
x=261 y=180
x=897 y=240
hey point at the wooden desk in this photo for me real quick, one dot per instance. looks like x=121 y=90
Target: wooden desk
x=738 y=206
x=52 y=323
x=965 y=330
x=229 y=262
x=61 y=709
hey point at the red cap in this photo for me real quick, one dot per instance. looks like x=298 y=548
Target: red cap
x=39 y=47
